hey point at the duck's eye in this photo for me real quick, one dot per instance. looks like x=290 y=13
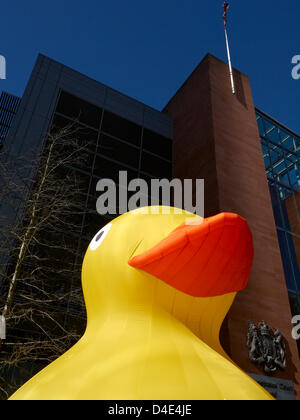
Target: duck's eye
x=99 y=237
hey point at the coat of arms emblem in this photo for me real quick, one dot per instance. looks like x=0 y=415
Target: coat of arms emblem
x=266 y=347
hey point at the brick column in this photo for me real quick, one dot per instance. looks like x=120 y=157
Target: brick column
x=216 y=138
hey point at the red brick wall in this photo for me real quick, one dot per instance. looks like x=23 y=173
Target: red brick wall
x=216 y=138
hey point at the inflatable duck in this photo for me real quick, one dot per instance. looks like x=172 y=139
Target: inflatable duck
x=157 y=286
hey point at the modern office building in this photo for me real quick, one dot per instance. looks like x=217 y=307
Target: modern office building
x=281 y=151
x=119 y=134
x=8 y=108
x=204 y=132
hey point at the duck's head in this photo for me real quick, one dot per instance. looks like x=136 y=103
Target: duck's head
x=176 y=261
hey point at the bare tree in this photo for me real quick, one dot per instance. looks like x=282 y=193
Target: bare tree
x=43 y=200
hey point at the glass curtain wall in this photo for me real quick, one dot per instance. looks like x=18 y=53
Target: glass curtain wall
x=111 y=144
x=281 y=152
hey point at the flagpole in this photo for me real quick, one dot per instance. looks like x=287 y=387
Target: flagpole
x=225 y=8
x=229 y=61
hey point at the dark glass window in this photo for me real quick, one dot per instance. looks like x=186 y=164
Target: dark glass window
x=155 y=166
x=85 y=161
x=119 y=151
x=157 y=144
x=107 y=169
x=289 y=259
x=94 y=222
x=79 y=180
x=72 y=218
x=83 y=136
x=121 y=128
x=78 y=109
x=279 y=209
x=56 y=251
x=70 y=153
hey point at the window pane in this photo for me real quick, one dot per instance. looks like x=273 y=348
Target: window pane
x=84 y=136
x=155 y=166
x=157 y=144
x=78 y=109
x=78 y=180
x=107 y=169
x=121 y=128
x=94 y=221
x=119 y=151
x=289 y=259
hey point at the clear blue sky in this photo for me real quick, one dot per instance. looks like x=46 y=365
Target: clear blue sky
x=147 y=49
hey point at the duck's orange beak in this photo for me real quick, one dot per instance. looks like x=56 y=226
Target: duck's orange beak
x=203 y=259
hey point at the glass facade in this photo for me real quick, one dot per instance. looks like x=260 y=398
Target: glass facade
x=281 y=151
x=108 y=144
x=9 y=105
x=111 y=144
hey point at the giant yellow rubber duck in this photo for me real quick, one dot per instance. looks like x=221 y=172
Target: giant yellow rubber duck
x=157 y=288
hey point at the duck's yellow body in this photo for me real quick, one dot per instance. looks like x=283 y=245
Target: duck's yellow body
x=144 y=338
